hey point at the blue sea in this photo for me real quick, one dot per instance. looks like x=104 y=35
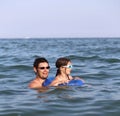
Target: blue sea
x=96 y=60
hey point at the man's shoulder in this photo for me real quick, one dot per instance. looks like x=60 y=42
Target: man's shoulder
x=35 y=84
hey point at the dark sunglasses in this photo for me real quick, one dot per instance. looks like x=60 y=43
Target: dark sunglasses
x=42 y=68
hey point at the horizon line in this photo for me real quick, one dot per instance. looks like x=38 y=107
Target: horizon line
x=51 y=37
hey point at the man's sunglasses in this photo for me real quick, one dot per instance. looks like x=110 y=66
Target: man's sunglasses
x=42 y=68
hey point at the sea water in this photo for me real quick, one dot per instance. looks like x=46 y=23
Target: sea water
x=96 y=60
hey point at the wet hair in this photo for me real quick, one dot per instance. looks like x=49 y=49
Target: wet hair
x=63 y=61
x=38 y=61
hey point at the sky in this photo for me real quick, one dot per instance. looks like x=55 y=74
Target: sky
x=59 y=18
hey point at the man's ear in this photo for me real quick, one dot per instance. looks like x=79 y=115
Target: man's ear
x=35 y=70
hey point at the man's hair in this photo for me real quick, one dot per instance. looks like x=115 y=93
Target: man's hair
x=39 y=60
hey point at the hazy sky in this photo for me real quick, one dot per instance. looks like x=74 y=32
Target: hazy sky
x=59 y=18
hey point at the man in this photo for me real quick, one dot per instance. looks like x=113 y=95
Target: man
x=41 y=68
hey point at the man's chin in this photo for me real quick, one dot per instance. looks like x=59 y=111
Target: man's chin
x=45 y=78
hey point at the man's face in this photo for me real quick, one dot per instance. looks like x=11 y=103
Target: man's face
x=43 y=70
